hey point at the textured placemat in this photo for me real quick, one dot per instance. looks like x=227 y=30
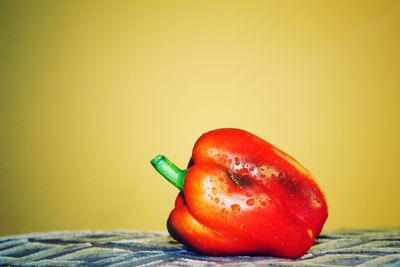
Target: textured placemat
x=130 y=248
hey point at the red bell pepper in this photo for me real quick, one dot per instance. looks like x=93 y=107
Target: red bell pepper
x=240 y=195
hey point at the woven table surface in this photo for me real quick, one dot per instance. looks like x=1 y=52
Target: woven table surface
x=133 y=248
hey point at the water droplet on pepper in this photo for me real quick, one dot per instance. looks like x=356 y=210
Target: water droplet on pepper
x=250 y=202
x=214 y=191
x=235 y=208
x=310 y=233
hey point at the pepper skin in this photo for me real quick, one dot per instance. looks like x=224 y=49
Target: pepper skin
x=242 y=196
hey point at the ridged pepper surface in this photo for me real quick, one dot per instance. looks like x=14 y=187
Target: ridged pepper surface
x=240 y=195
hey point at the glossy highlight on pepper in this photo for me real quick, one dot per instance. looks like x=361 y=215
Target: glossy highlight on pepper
x=240 y=195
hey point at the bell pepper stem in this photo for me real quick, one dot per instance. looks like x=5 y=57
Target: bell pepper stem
x=169 y=171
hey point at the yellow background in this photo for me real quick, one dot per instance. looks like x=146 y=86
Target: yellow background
x=91 y=91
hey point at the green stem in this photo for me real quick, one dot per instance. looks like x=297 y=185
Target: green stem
x=169 y=171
